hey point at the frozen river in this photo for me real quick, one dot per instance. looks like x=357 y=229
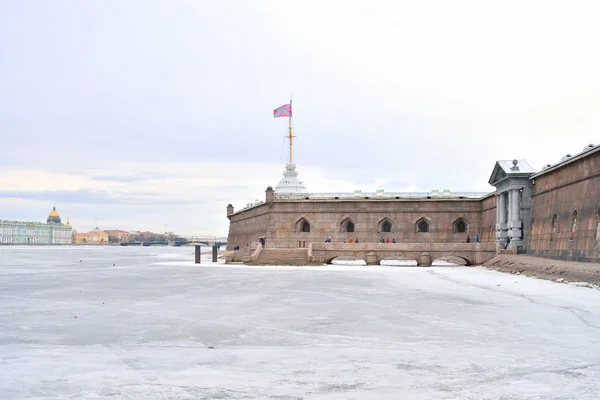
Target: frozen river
x=156 y=326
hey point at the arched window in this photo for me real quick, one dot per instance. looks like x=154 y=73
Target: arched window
x=554 y=224
x=598 y=224
x=574 y=222
x=531 y=226
x=303 y=225
x=385 y=225
x=347 y=225
x=460 y=226
x=422 y=225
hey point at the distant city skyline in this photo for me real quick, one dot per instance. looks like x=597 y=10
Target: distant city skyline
x=151 y=113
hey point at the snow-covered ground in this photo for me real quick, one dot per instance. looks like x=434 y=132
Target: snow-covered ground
x=156 y=326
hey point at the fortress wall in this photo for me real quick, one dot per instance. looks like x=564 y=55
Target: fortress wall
x=573 y=187
x=488 y=219
x=246 y=226
x=325 y=217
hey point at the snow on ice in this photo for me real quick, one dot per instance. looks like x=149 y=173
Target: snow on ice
x=157 y=326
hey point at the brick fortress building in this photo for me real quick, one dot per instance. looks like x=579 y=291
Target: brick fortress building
x=552 y=213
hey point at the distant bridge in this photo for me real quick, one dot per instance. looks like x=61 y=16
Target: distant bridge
x=206 y=240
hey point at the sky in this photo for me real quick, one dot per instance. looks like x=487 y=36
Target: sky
x=154 y=115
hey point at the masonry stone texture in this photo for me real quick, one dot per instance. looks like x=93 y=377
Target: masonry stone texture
x=552 y=213
x=565 y=218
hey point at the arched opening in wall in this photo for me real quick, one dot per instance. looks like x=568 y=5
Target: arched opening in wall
x=399 y=262
x=347 y=225
x=422 y=225
x=347 y=260
x=460 y=226
x=303 y=225
x=531 y=225
x=598 y=224
x=553 y=227
x=573 y=224
x=385 y=225
x=450 y=261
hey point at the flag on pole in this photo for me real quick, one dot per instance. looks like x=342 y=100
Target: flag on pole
x=283 y=111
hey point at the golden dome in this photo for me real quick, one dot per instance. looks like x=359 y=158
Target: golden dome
x=54 y=213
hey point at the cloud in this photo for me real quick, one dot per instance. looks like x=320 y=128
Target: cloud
x=90 y=197
x=180 y=195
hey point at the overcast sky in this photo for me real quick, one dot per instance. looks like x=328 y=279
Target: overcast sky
x=156 y=114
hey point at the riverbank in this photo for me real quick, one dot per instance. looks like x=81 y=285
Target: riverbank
x=571 y=272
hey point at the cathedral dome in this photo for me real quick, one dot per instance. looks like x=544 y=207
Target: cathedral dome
x=54 y=216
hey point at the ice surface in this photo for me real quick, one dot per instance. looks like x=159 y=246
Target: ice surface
x=412 y=263
x=342 y=261
x=399 y=263
x=145 y=326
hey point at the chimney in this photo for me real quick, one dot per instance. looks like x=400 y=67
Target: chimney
x=270 y=195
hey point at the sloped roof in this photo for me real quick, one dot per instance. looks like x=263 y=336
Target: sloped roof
x=523 y=165
x=507 y=168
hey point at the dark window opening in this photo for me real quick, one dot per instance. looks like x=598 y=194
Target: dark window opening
x=598 y=224
x=302 y=225
x=422 y=225
x=347 y=225
x=386 y=226
x=305 y=227
x=460 y=226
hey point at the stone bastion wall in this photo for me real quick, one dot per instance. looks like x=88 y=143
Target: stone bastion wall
x=565 y=212
x=296 y=223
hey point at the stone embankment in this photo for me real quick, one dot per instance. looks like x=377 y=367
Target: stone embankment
x=577 y=273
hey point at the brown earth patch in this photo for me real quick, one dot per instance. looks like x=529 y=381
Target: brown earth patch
x=544 y=268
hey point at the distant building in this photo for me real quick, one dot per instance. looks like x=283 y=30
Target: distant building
x=78 y=237
x=24 y=232
x=92 y=237
x=118 y=236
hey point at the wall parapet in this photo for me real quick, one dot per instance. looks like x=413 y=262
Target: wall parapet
x=381 y=195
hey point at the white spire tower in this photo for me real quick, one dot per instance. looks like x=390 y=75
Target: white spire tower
x=289 y=183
